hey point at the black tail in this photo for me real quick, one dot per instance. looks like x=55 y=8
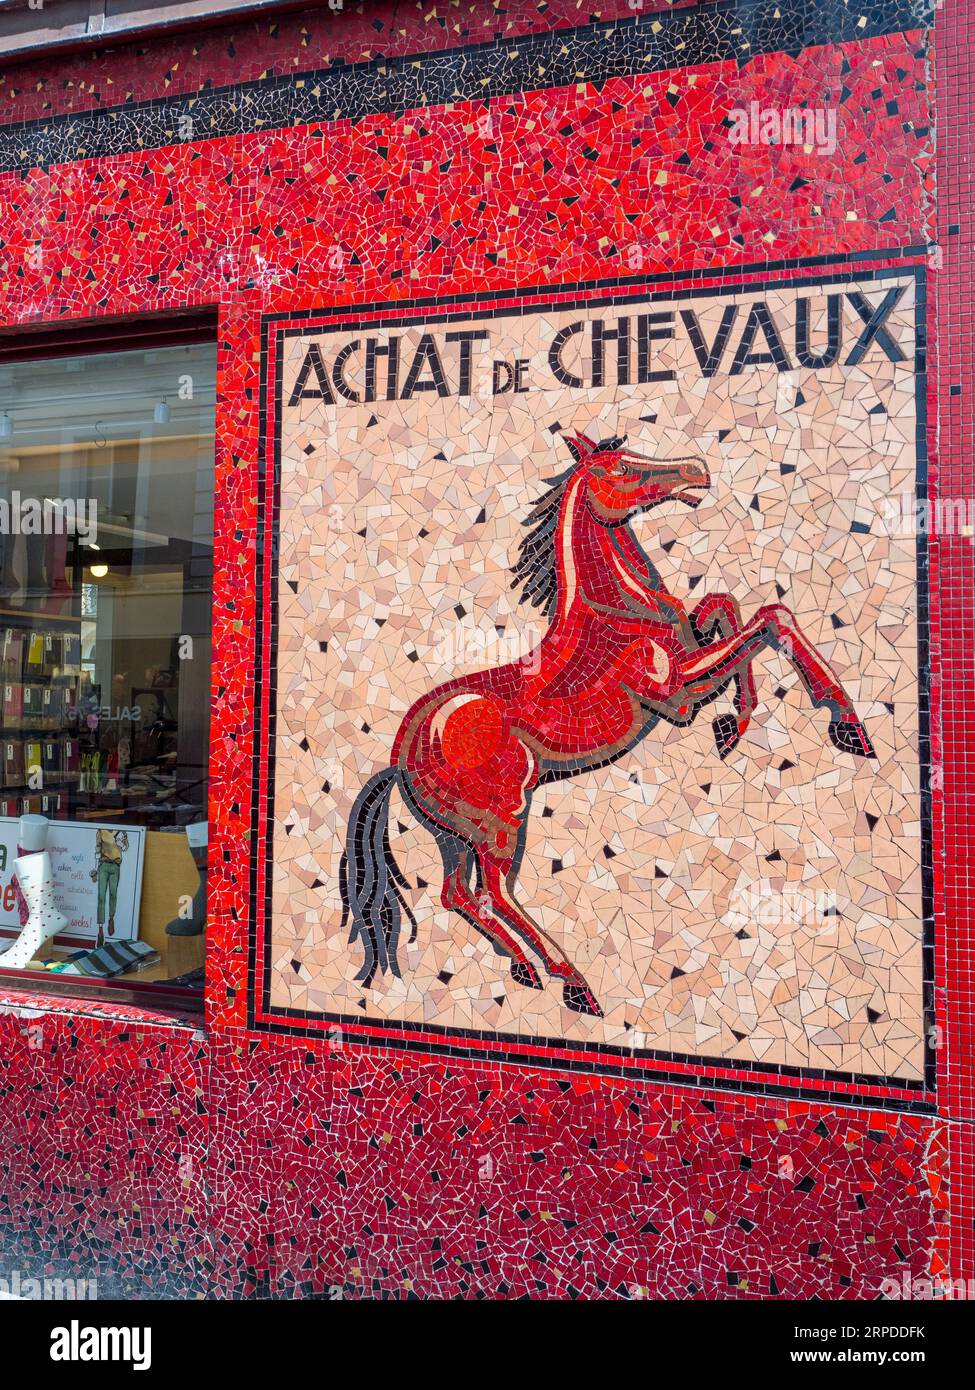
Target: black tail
x=370 y=882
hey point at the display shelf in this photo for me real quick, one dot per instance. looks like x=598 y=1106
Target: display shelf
x=32 y=615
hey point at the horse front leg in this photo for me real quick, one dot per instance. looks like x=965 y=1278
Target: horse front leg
x=775 y=627
x=720 y=614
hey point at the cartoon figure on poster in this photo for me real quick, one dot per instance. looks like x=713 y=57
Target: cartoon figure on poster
x=110 y=846
x=95 y=872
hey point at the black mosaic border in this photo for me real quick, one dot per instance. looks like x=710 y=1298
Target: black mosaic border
x=727 y=31
x=643 y=1077
x=504 y=1047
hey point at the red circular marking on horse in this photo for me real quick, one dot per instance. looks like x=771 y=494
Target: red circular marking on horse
x=472 y=733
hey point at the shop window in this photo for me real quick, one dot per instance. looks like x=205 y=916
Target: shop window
x=106 y=578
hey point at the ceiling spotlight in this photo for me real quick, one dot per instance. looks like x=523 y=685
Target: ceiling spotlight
x=6 y=426
x=161 y=413
x=98 y=571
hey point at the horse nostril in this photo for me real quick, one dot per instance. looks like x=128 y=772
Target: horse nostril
x=694 y=472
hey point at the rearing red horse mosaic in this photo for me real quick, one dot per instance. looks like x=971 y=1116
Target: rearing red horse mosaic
x=620 y=654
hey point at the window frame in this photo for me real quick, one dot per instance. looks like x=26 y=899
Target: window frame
x=125 y=333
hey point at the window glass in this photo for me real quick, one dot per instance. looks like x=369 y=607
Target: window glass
x=106 y=565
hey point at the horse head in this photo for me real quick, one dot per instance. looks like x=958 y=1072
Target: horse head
x=620 y=483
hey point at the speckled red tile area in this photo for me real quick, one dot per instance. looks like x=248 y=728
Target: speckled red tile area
x=103 y=1136
x=235 y=1164
x=399 y=1179
x=245 y=1169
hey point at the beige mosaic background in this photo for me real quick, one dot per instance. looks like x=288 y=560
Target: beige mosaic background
x=692 y=892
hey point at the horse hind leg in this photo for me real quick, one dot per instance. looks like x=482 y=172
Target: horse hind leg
x=498 y=877
x=493 y=833
x=460 y=866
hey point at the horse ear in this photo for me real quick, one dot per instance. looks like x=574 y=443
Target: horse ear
x=579 y=446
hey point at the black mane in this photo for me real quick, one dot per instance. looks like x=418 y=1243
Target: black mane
x=535 y=569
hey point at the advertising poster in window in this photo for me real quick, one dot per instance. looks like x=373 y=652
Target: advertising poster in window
x=97 y=878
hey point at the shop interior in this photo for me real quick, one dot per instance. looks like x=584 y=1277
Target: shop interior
x=106 y=561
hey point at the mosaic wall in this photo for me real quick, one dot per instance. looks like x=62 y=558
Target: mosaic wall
x=747 y=886
x=423 y=160
x=173 y=1166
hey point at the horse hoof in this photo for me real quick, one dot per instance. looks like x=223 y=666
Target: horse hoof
x=849 y=736
x=726 y=734
x=524 y=973
x=580 y=999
